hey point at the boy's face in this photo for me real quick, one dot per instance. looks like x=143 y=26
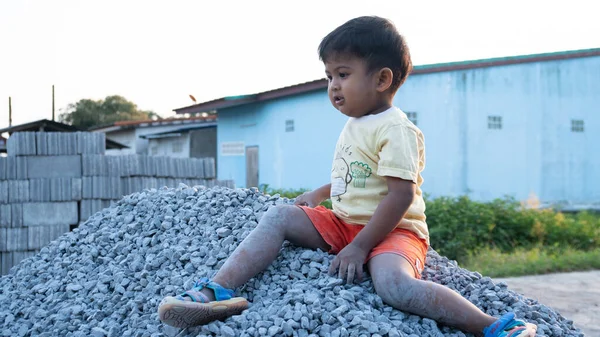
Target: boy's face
x=352 y=89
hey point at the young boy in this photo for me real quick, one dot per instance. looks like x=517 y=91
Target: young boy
x=378 y=215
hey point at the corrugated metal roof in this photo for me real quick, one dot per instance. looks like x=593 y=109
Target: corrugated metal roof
x=227 y=102
x=151 y=122
x=177 y=132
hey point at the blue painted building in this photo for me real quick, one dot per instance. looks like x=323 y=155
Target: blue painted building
x=507 y=126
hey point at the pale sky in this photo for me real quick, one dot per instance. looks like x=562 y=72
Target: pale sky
x=156 y=53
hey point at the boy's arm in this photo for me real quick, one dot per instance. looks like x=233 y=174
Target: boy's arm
x=349 y=261
x=314 y=198
x=388 y=213
x=323 y=191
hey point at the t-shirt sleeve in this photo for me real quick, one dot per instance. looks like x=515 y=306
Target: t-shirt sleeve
x=402 y=153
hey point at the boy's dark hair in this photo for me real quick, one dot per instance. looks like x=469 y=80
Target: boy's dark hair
x=373 y=39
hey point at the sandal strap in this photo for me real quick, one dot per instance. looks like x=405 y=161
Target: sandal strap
x=499 y=325
x=221 y=294
x=195 y=296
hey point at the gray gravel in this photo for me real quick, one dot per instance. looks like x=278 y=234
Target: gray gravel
x=107 y=277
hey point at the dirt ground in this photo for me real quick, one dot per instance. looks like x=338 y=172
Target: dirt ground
x=576 y=296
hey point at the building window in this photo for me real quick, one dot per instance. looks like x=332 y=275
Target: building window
x=577 y=125
x=495 y=122
x=177 y=146
x=232 y=148
x=412 y=116
x=289 y=125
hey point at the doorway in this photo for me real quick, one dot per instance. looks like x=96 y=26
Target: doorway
x=251 y=166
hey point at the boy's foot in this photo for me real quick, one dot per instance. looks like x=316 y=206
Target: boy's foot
x=193 y=308
x=508 y=326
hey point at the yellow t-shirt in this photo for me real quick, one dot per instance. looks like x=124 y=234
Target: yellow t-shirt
x=369 y=149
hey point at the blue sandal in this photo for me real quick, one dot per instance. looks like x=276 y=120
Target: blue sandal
x=508 y=326
x=193 y=308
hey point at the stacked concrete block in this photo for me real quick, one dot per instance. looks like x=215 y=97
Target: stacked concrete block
x=13 y=168
x=90 y=142
x=40 y=189
x=161 y=165
x=9 y=259
x=6 y=262
x=41 y=143
x=131 y=185
x=21 y=168
x=50 y=213
x=18 y=191
x=210 y=171
x=57 y=143
x=16 y=215
x=198 y=168
x=113 y=166
x=40 y=236
x=167 y=167
x=61 y=189
x=3 y=192
x=3 y=161
x=130 y=166
x=76 y=188
x=55 y=189
x=3 y=239
x=94 y=165
x=89 y=207
x=107 y=188
x=21 y=144
x=146 y=166
x=179 y=167
x=16 y=239
x=52 y=181
x=54 y=166
x=5 y=216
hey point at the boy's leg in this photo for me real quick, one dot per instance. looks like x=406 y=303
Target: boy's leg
x=394 y=281
x=260 y=248
x=255 y=253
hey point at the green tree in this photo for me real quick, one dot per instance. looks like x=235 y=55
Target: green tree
x=87 y=113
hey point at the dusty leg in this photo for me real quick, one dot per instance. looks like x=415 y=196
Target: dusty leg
x=394 y=281
x=255 y=253
x=258 y=250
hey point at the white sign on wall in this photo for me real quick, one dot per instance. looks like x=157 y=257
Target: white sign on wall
x=232 y=149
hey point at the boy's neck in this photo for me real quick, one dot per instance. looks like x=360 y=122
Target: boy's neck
x=384 y=105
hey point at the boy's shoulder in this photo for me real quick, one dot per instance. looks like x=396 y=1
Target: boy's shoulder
x=391 y=121
x=395 y=119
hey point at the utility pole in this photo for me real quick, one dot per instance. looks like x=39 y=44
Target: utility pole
x=53 y=102
x=9 y=111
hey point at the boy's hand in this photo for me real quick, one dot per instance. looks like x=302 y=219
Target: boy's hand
x=310 y=199
x=350 y=262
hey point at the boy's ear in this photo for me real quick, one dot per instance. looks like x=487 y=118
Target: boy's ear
x=385 y=78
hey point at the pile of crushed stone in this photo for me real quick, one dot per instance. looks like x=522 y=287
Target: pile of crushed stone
x=107 y=277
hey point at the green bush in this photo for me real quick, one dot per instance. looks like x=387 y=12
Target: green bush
x=460 y=226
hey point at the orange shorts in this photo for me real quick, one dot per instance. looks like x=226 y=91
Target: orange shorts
x=338 y=234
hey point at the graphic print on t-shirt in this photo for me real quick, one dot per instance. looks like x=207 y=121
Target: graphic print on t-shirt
x=341 y=177
x=360 y=172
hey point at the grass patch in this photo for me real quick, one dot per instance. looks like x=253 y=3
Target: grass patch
x=494 y=263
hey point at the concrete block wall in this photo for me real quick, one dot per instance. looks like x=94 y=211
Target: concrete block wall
x=51 y=182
